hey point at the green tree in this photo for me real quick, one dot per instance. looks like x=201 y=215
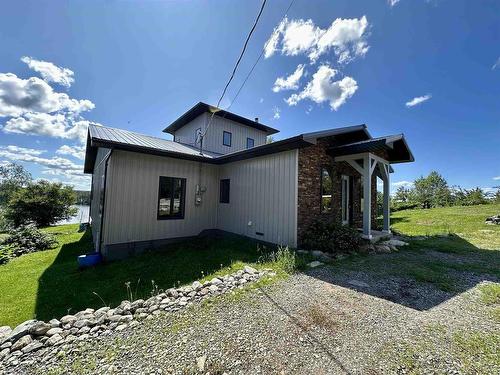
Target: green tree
x=404 y=195
x=432 y=191
x=12 y=178
x=43 y=203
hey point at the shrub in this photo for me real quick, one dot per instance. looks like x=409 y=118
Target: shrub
x=23 y=240
x=43 y=203
x=283 y=257
x=331 y=237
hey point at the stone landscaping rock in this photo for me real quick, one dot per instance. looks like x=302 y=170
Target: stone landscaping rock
x=14 y=344
x=39 y=328
x=35 y=345
x=55 y=340
x=68 y=319
x=395 y=242
x=314 y=264
x=21 y=343
x=21 y=330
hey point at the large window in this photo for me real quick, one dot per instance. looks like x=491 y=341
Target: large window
x=171 y=198
x=250 y=142
x=226 y=138
x=326 y=190
x=224 y=191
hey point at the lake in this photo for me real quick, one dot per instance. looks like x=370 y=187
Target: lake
x=81 y=216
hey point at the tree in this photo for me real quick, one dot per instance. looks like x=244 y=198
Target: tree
x=432 y=191
x=12 y=178
x=404 y=195
x=42 y=202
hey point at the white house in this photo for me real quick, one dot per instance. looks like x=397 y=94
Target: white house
x=148 y=191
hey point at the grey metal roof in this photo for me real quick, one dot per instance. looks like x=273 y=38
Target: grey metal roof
x=394 y=146
x=201 y=108
x=352 y=138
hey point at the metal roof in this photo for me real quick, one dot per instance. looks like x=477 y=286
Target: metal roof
x=352 y=139
x=201 y=108
x=394 y=146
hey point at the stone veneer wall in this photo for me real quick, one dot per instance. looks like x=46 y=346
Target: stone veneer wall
x=311 y=160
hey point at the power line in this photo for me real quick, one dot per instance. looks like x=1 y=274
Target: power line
x=249 y=73
x=234 y=70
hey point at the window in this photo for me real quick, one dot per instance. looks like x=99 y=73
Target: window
x=224 y=191
x=171 y=198
x=226 y=138
x=250 y=142
x=197 y=136
x=326 y=190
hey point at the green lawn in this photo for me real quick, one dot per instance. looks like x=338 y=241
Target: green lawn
x=49 y=284
x=464 y=222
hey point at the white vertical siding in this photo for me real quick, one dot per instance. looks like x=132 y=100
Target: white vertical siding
x=213 y=138
x=132 y=198
x=263 y=191
x=187 y=134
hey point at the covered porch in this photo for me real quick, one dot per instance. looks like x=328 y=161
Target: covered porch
x=369 y=158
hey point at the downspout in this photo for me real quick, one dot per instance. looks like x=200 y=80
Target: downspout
x=106 y=161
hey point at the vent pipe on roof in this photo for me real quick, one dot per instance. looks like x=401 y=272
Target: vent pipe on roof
x=256 y=119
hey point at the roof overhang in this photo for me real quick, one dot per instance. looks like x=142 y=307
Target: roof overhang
x=394 y=147
x=201 y=108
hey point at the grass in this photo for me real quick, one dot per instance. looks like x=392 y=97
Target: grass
x=49 y=284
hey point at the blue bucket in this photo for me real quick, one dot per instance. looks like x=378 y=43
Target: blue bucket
x=89 y=260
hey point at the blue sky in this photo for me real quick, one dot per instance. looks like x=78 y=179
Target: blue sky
x=139 y=65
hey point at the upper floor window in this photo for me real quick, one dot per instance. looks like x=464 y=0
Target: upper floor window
x=250 y=142
x=224 y=190
x=226 y=138
x=326 y=190
x=171 y=198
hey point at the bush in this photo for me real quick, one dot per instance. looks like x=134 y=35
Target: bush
x=23 y=240
x=43 y=203
x=331 y=237
x=284 y=257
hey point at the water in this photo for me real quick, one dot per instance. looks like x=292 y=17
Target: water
x=81 y=216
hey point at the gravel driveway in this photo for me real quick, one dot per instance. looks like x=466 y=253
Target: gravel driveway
x=319 y=322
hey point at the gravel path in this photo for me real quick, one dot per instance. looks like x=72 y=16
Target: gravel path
x=322 y=322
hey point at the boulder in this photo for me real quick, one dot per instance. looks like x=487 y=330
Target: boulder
x=55 y=340
x=81 y=323
x=213 y=288
x=68 y=319
x=39 y=328
x=21 y=330
x=35 y=345
x=314 y=264
x=395 y=242
x=250 y=270
x=215 y=281
x=21 y=343
x=54 y=331
x=197 y=285
x=54 y=323
x=4 y=353
x=5 y=332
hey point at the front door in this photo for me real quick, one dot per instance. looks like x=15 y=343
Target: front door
x=346 y=193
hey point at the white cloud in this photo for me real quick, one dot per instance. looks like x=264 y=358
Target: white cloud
x=496 y=64
x=30 y=156
x=58 y=125
x=392 y=2
x=21 y=150
x=50 y=72
x=291 y=82
x=322 y=89
x=418 y=100
x=75 y=151
x=347 y=38
x=497 y=178
x=20 y=96
x=276 y=113
x=406 y=184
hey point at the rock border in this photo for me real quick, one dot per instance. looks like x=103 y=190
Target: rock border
x=35 y=335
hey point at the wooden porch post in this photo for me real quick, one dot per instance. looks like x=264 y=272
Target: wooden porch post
x=367 y=196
